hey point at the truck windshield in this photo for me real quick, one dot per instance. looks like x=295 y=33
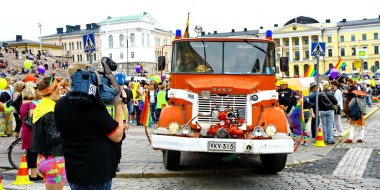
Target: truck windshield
x=223 y=57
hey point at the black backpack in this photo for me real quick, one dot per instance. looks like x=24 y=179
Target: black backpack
x=354 y=111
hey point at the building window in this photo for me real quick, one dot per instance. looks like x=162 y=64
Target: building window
x=278 y=43
x=315 y=39
x=375 y=49
x=353 y=51
x=110 y=55
x=77 y=58
x=341 y=38
x=296 y=42
x=287 y=43
x=342 y=52
x=80 y=45
x=365 y=65
x=364 y=36
x=132 y=54
x=296 y=70
x=305 y=67
x=329 y=39
x=132 y=36
x=376 y=36
x=77 y=45
x=94 y=56
x=297 y=56
x=165 y=42
x=142 y=39
x=110 y=41
x=377 y=64
x=353 y=66
x=73 y=57
x=353 y=37
x=330 y=52
x=287 y=54
x=306 y=41
x=364 y=47
x=121 y=40
x=121 y=55
x=315 y=68
x=344 y=68
x=81 y=57
x=148 y=40
x=307 y=54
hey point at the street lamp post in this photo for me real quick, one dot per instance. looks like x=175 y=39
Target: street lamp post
x=40 y=26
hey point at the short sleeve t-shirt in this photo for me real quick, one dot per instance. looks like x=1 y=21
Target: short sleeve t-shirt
x=89 y=155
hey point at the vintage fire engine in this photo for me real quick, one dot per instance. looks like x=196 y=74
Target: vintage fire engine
x=223 y=100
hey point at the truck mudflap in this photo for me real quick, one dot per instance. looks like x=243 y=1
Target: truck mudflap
x=280 y=143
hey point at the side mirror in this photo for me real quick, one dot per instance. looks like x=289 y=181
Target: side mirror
x=161 y=63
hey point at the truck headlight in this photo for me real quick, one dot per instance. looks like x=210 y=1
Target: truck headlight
x=205 y=94
x=254 y=97
x=258 y=131
x=185 y=129
x=271 y=130
x=173 y=128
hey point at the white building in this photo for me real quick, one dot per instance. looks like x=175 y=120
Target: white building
x=129 y=41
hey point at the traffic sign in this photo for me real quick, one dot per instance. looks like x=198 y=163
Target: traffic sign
x=89 y=43
x=357 y=63
x=318 y=48
x=363 y=53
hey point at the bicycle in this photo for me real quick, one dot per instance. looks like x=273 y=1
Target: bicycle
x=15 y=153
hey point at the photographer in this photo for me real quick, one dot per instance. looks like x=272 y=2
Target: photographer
x=89 y=137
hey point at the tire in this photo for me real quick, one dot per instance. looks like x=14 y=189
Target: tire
x=273 y=163
x=171 y=159
x=15 y=153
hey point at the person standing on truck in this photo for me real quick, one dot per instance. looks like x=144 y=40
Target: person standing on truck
x=284 y=95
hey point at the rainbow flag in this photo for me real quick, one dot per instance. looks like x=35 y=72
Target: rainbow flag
x=297 y=118
x=310 y=72
x=186 y=34
x=146 y=117
x=340 y=64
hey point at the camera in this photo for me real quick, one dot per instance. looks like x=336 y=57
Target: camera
x=89 y=85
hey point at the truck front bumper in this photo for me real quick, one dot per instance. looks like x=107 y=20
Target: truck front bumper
x=281 y=143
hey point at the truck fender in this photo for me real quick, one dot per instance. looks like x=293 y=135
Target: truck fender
x=171 y=113
x=275 y=116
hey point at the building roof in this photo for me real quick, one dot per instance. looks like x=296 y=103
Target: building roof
x=302 y=20
x=14 y=42
x=77 y=32
x=230 y=34
x=166 y=31
x=124 y=18
x=358 y=22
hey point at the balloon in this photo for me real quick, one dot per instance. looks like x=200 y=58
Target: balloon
x=163 y=77
x=30 y=77
x=157 y=79
x=138 y=69
x=334 y=73
x=28 y=64
x=41 y=69
x=3 y=84
x=120 y=78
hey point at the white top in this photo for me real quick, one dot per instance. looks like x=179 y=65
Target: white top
x=339 y=97
x=151 y=94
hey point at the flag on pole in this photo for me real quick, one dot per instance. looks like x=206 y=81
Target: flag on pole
x=186 y=33
x=340 y=64
x=146 y=117
x=310 y=72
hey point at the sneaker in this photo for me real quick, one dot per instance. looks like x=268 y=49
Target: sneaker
x=332 y=142
x=359 y=141
x=305 y=144
x=348 y=141
x=130 y=122
x=338 y=134
x=38 y=178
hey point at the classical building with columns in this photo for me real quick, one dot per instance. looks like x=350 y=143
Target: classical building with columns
x=343 y=40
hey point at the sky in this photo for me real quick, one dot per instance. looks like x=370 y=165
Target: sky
x=22 y=16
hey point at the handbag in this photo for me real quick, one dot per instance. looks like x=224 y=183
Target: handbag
x=28 y=119
x=335 y=107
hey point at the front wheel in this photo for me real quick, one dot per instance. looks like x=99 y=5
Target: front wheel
x=15 y=153
x=273 y=163
x=171 y=159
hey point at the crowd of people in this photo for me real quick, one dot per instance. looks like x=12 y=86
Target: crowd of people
x=337 y=98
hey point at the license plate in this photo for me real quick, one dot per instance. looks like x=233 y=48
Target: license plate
x=221 y=146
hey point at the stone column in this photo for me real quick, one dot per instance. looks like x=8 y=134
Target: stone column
x=290 y=49
x=282 y=47
x=300 y=48
x=310 y=57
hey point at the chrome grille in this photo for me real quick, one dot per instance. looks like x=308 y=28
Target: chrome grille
x=233 y=101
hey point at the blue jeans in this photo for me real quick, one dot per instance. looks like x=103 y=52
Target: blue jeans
x=327 y=118
x=368 y=100
x=153 y=111
x=107 y=185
